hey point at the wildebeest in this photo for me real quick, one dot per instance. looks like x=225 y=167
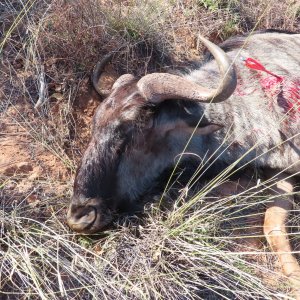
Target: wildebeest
x=238 y=116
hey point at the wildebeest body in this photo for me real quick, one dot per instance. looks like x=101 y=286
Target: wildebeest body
x=136 y=138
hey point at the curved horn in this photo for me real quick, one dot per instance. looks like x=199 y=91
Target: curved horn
x=158 y=87
x=123 y=79
x=97 y=71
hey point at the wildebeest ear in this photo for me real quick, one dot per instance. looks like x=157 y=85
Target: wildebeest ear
x=203 y=130
x=181 y=128
x=208 y=129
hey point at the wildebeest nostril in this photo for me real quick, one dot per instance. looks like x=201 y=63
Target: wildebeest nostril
x=81 y=218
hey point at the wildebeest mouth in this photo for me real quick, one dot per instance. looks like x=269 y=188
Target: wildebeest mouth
x=89 y=217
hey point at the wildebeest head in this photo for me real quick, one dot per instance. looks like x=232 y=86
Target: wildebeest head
x=136 y=136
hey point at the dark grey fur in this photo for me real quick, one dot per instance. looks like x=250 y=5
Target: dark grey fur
x=134 y=142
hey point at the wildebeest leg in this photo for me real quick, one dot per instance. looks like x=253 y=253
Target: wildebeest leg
x=276 y=233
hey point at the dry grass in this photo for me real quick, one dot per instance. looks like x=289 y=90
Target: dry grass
x=47 y=50
x=187 y=260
